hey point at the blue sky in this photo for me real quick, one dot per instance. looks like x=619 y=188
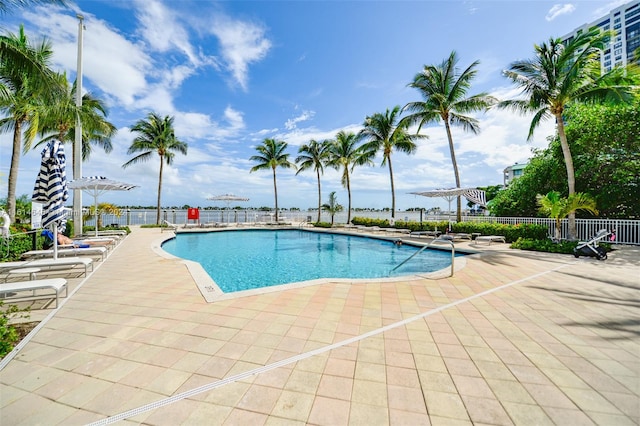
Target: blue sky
x=233 y=73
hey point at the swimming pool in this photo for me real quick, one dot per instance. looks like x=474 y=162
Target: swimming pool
x=247 y=259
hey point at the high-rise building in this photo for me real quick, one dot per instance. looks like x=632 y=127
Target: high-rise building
x=625 y=21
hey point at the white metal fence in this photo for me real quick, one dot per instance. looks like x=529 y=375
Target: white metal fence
x=627 y=231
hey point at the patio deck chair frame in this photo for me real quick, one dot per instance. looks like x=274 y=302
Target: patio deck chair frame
x=10 y=291
x=61 y=263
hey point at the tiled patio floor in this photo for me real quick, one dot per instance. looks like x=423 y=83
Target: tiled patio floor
x=512 y=338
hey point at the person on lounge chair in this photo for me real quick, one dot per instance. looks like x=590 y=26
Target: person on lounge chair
x=64 y=240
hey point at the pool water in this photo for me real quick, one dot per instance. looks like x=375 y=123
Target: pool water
x=249 y=259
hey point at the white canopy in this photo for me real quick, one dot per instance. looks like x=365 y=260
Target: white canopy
x=98 y=185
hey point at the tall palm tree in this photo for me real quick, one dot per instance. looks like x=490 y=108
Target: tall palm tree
x=155 y=134
x=383 y=132
x=60 y=113
x=444 y=92
x=271 y=155
x=345 y=153
x=558 y=75
x=313 y=155
x=20 y=102
x=558 y=208
x=19 y=60
x=332 y=207
x=96 y=132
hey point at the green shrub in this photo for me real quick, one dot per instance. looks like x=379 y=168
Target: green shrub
x=322 y=224
x=9 y=336
x=510 y=232
x=545 y=245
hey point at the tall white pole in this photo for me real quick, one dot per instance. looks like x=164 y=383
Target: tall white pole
x=77 y=143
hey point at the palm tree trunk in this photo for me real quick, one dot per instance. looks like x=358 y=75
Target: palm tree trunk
x=571 y=177
x=159 y=189
x=349 y=194
x=275 y=191
x=320 y=198
x=455 y=169
x=393 y=190
x=13 y=171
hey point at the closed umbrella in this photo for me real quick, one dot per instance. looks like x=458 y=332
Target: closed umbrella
x=98 y=185
x=51 y=189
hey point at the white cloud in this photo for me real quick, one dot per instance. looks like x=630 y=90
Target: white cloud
x=106 y=53
x=161 y=30
x=242 y=43
x=559 y=9
x=292 y=122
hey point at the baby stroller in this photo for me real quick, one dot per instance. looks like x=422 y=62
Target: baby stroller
x=591 y=248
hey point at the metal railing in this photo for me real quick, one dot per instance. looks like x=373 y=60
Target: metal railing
x=627 y=230
x=437 y=240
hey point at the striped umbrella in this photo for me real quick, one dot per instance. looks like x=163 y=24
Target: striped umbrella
x=98 y=185
x=474 y=195
x=51 y=189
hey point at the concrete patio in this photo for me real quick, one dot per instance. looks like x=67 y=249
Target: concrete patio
x=512 y=338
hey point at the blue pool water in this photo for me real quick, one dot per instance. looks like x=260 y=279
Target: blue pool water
x=248 y=259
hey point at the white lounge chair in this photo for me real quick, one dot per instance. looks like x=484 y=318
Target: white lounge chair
x=430 y=234
x=49 y=264
x=489 y=239
x=168 y=226
x=97 y=252
x=11 y=291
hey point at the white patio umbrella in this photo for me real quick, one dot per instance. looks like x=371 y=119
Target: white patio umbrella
x=227 y=199
x=98 y=185
x=51 y=189
x=474 y=195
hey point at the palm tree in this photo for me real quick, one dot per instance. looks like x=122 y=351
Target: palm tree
x=559 y=75
x=558 y=208
x=444 y=89
x=96 y=132
x=332 y=207
x=102 y=208
x=60 y=113
x=344 y=153
x=19 y=60
x=313 y=155
x=155 y=134
x=383 y=133
x=20 y=103
x=271 y=155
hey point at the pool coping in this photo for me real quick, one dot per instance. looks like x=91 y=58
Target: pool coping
x=211 y=292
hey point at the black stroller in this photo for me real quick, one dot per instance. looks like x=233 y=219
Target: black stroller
x=591 y=248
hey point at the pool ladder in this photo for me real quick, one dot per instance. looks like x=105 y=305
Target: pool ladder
x=438 y=241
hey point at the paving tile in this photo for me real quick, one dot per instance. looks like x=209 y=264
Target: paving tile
x=486 y=411
x=335 y=387
x=293 y=406
x=364 y=414
x=368 y=392
x=406 y=399
x=445 y=404
x=371 y=371
x=329 y=412
x=522 y=414
x=340 y=367
x=241 y=418
x=260 y=399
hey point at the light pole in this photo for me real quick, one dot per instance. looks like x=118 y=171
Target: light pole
x=77 y=143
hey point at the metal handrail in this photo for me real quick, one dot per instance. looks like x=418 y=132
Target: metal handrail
x=437 y=240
